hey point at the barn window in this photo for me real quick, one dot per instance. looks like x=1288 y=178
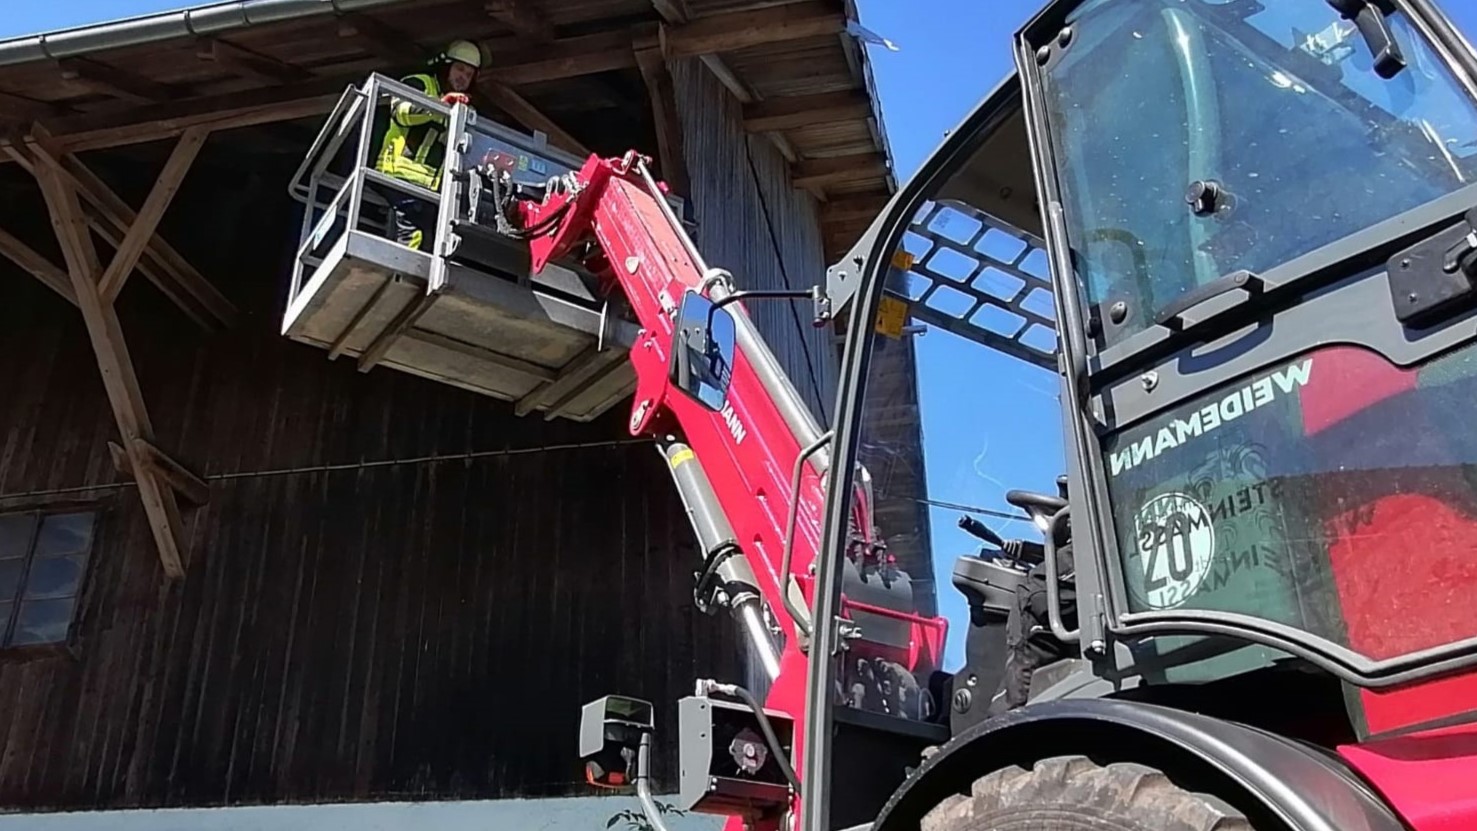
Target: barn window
x=43 y=555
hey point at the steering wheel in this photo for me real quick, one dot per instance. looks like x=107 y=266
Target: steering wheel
x=1030 y=501
x=1038 y=506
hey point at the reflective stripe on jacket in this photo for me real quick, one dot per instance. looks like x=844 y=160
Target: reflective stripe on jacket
x=415 y=143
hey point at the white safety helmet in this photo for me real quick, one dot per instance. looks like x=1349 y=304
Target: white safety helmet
x=464 y=52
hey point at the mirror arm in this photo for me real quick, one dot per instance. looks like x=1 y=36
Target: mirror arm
x=815 y=293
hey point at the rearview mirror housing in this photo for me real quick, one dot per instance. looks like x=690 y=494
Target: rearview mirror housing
x=703 y=350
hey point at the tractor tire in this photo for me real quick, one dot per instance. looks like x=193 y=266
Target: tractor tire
x=1071 y=793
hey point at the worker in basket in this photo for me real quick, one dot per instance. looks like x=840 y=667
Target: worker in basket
x=414 y=146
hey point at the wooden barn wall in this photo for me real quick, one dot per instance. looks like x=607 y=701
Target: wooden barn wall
x=397 y=589
x=754 y=223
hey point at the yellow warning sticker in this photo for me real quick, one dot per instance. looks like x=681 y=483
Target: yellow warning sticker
x=680 y=457
x=892 y=313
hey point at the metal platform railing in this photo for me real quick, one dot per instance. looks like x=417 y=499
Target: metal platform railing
x=337 y=178
x=464 y=307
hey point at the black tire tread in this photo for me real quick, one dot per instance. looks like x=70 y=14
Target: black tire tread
x=1122 y=790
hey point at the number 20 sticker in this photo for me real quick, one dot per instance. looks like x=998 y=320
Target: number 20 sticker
x=1176 y=543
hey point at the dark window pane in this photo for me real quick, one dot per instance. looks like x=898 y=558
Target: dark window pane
x=5 y=620
x=63 y=534
x=15 y=534
x=10 y=576
x=53 y=577
x=42 y=621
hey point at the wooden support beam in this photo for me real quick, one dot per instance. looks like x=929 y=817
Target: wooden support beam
x=114 y=82
x=669 y=144
x=18 y=152
x=28 y=260
x=777 y=114
x=244 y=62
x=168 y=119
x=522 y=18
x=147 y=222
x=194 y=489
x=824 y=172
x=182 y=277
x=728 y=78
x=113 y=361
x=740 y=30
x=515 y=105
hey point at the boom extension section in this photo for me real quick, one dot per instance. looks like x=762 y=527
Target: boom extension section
x=747 y=456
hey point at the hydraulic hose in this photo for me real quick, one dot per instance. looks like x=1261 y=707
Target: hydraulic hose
x=770 y=737
x=643 y=784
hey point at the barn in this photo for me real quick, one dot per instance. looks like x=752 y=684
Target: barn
x=234 y=571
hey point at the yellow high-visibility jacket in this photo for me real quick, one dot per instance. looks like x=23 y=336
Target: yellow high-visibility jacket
x=415 y=144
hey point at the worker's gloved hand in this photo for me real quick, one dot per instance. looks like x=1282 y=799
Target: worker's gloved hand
x=455 y=98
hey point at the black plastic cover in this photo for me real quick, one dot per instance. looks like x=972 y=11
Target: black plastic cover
x=1434 y=278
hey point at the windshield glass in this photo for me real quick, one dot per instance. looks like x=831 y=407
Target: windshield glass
x=1272 y=109
x=1335 y=493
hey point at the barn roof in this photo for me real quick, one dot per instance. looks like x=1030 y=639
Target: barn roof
x=558 y=66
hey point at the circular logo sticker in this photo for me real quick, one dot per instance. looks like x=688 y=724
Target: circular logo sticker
x=1176 y=545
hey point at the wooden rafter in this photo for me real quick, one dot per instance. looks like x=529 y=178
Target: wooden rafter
x=744 y=29
x=669 y=143
x=830 y=171
x=521 y=17
x=113 y=82
x=168 y=119
x=244 y=62
x=381 y=39
x=182 y=279
x=778 y=114
x=116 y=367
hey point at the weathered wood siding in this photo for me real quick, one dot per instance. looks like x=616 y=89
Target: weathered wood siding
x=398 y=589
x=754 y=223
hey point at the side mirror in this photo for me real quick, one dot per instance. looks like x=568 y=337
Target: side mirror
x=611 y=729
x=702 y=355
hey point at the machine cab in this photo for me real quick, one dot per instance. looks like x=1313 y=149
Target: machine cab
x=1215 y=262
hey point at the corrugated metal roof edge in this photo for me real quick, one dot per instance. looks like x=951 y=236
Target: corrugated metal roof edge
x=152 y=28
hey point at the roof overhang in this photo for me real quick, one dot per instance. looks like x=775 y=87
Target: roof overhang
x=562 y=68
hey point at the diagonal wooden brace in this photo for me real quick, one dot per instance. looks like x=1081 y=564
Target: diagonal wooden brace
x=116 y=367
x=194 y=489
x=173 y=274
x=147 y=222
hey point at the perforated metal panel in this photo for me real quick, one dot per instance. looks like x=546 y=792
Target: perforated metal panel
x=978 y=278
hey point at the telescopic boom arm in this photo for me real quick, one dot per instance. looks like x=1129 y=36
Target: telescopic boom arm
x=742 y=468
